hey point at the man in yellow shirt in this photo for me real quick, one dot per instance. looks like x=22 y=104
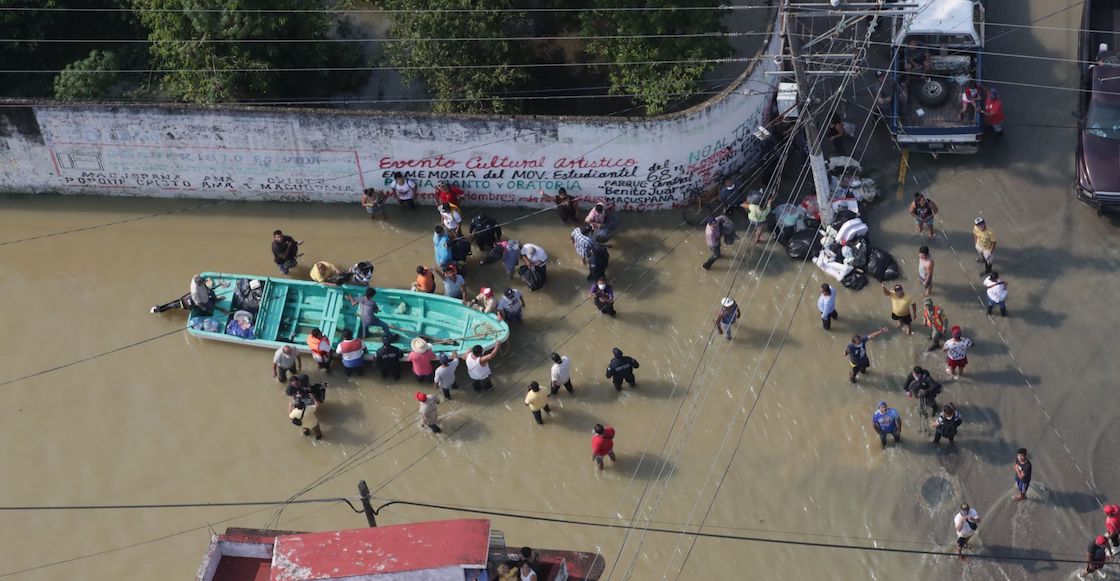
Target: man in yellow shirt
x=985 y=241
x=324 y=272
x=537 y=400
x=903 y=309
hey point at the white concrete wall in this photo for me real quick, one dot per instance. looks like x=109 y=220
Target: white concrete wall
x=332 y=156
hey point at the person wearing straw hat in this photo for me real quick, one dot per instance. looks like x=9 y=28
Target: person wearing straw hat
x=421 y=359
x=728 y=313
x=429 y=412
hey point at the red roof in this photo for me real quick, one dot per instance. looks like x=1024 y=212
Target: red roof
x=378 y=551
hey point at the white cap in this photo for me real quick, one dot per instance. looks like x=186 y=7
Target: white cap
x=254 y=284
x=727 y=302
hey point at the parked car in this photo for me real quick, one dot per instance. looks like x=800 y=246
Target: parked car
x=1098 y=142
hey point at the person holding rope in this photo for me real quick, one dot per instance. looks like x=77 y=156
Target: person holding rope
x=367 y=314
x=478 y=366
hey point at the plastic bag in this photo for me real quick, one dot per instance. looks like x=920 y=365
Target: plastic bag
x=891 y=272
x=803 y=244
x=854 y=280
x=860 y=250
x=877 y=261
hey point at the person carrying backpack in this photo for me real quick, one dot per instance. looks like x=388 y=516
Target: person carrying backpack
x=946 y=424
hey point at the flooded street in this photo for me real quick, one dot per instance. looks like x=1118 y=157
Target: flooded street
x=108 y=404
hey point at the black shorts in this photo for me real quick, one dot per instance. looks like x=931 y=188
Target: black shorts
x=962 y=541
x=906 y=319
x=860 y=366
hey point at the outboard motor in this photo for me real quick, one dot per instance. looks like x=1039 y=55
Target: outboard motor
x=362 y=273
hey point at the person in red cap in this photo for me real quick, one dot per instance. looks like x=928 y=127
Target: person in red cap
x=429 y=413
x=956 y=352
x=1097 y=556
x=602 y=444
x=484 y=301
x=1112 y=527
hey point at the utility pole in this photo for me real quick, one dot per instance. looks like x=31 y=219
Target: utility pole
x=363 y=493
x=816 y=158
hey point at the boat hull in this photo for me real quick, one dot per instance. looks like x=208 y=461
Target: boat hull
x=290 y=309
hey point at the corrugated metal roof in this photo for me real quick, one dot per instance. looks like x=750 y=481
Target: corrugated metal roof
x=381 y=551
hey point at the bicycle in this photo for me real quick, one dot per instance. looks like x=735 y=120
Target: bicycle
x=702 y=203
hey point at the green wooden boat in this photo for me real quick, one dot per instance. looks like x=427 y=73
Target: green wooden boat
x=290 y=309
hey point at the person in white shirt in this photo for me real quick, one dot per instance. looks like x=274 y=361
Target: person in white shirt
x=535 y=258
x=965 y=525
x=405 y=190
x=956 y=352
x=826 y=304
x=445 y=374
x=452 y=219
x=997 y=293
x=478 y=366
x=561 y=373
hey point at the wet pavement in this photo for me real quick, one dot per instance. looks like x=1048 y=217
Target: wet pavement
x=108 y=404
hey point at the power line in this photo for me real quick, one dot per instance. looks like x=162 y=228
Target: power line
x=153 y=103
x=67 y=507
x=385 y=10
x=715 y=34
x=404 y=68
x=744 y=538
x=90 y=358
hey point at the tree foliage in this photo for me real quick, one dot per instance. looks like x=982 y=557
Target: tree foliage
x=208 y=72
x=443 y=65
x=655 y=86
x=84 y=79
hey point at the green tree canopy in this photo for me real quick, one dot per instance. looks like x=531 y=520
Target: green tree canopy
x=80 y=81
x=655 y=86
x=206 y=72
x=459 y=89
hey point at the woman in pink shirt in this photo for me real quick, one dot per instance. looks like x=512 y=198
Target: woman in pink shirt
x=421 y=359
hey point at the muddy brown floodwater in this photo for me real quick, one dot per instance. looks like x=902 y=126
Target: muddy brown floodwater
x=108 y=404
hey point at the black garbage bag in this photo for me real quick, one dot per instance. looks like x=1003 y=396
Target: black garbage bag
x=842 y=216
x=891 y=272
x=854 y=280
x=803 y=244
x=860 y=253
x=877 y=261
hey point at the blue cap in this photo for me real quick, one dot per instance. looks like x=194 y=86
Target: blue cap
x=882 y=403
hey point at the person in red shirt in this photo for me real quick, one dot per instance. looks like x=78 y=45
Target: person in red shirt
x=602 y=444
x=448 y=194
x=993 y=112
x=421 y=359
x=1112 y=527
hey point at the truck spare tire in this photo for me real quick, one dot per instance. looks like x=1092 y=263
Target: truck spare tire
x=933 y=93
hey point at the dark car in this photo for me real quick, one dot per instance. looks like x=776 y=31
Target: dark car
x=1098 y=142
